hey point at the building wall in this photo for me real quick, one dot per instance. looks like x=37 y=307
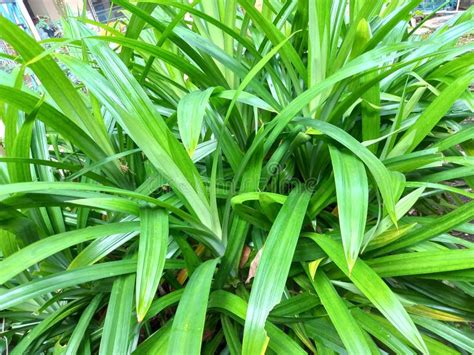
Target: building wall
x=75 y=5
x=50 y=9
x=98 y=10
x=45 y=8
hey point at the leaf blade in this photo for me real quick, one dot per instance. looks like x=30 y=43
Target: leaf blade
x=347 y=327
x=153 y=244
x=118 y=320
x=188 y=325
x=191 y=111
x=352 y=190
x=270 y=278
x=373 y=287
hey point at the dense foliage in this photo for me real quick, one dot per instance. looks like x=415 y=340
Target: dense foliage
x=224 y=177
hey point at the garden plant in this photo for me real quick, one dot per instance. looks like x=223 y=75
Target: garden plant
x=227 y=177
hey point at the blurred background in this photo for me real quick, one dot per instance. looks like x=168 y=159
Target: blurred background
x=41 y=17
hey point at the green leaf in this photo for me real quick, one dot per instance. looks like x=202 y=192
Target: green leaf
x=231 y=336
x=116 y=333
x=452 y=334
x=55 y=81
x=270 y=277
x=191 y=111
x=22 y=146
x=380 y=173
x=331 y=87
x=402 y=207
x=151 y=134
x=152 y=249
x=157 y=343
x=442 y=224
x=59 y=280
x=347 y=327
x=252 y=73
x=379 y=328
x=53 y=319
x=160 y=53
x=40 y=250
x=163 y=302
x=373 y=287
x=188 y=324
x=237 y=308
x=82 y=325
x=431 y=116
x=74 y=189
x=423 y=262
x=290 y=56
x=352 y=190
x=59 y=123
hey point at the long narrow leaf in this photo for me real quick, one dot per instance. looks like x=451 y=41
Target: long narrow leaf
x=351 y=334
x=270 y=277
x=352 y=189
x=377 y=291
x=117 y=326
x=188 y=324
x=152 y=249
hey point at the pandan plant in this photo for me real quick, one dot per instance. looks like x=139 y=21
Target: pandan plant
x=227 y=177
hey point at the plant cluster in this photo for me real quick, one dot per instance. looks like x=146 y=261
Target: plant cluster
x=228 y=177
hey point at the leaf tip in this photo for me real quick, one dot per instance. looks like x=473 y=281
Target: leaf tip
x=350 y=264
x=265 y=345
x=190 y=151
x=141 y=313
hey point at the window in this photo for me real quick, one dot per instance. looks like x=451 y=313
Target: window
x=104 y=11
